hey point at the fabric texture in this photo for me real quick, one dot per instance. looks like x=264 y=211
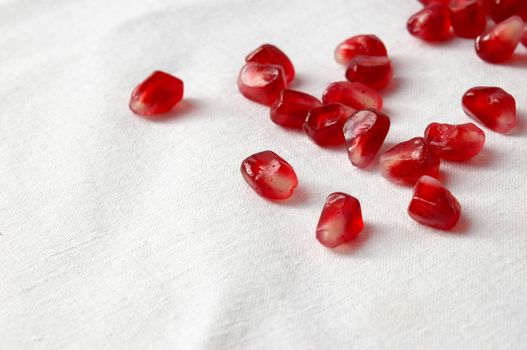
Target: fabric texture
x=117 y=232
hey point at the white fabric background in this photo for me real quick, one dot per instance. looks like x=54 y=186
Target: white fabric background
x=122 y=233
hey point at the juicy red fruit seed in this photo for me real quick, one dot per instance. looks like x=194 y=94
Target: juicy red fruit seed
x=352 y=94
x=499 y=43
x=358 y=45
x=324 y=124
x=455 y=142
x=408 y=161
x=500 y=10
x=431 y=23
x=340 y=220
x=373 y=71
x=365 y=132
x=269 y=175
x=492 y=106
x=270 y=54
x=468 y=19
x=159 y=93
x=433 y=205
x=261 y=83
x=292 y=107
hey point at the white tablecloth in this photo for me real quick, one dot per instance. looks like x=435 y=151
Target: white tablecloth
x=121 y=233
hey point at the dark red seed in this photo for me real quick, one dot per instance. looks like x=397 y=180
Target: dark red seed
x=455 y=142
x=261 y=83
x=352 y=94
x=291 y=108
x=499 y=43
x=159 y=93
x=324 y=124
x=367 y=44
x=270 y=54
x=373 y=71
x=468 y=19
x=431 y=23
x=500 y=10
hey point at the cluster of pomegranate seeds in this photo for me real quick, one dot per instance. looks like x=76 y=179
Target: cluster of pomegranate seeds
x=158 y=94
x=455 y=142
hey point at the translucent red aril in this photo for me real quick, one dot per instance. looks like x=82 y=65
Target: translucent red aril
x=433 y=205
x=492 y=106
x=261 y=83
x=365 y=132
x=340 y=220
x=159 y=93
x=468 y=19
x=324 y=124
x=373 y=71
x=431 y=23
x=269 y=175
x=499 y=43
x=270 y=54
x=291 y=108
x=352 y=94
x=366 y=44
x=408 y=161
x=455 y=142
x=500 y=10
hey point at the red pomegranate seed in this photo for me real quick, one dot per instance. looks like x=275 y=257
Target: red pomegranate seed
x=324 y=124
x=367 y=44
x=261 y=83
x=340 y=221
x=269 y=175
x=352 y=94
x=492 y=106
x=500 y=10
x=455 y=142
x=159 y=93
x=373 y=71
x=468 y=19
x=431 y=23
x=433 y=205
x=408 y=161
x=291 y=108
x=499 y=43
x=365 y=132
x=270 y=54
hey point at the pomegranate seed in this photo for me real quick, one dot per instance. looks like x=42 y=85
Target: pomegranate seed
x=455 y=142
x=408 y=161
x=270 y=54
x=352 y=94
x=261 y=83
x=324 y=124
x=159 y=93
x=468 y=19
x=500 y=10
x=340 y=220
x=433 y=205
x=269 y=175
x=291 y=108
x=492 y=106
x=431 y=23
x=367 y=44
x=373 y=71
x=365 y=132
x=498 y=43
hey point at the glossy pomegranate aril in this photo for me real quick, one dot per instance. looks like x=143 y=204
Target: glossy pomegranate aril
x=373 y=71
x=499 y=43
x=431 y=23
x=500 y=10
x=270 y=54
x=365 y=132
x=352 y=94
x=455 y=142
x=261 y=83
x=433 y=205
x=291 y=108
x=340 y=220
x=358 y=45
x=408 y=161
x=492 y=106
x=324 y=124
x=468 y=19
x=269 y=175
x=159 y=93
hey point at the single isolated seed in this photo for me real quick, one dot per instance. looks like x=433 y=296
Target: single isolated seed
x=352 y=94
x=455 y=142
x=158 y=94
x=431 y=23
x=500 y=10
x=468 y=19
x=340 y=220
x=324 y=124
x=261 y=82
x=408 y=161
x=365 y=132
x=433 y=205
x=373 y=71
x=358 y=45
x=291 y=108
x=270 y=54
x=492 y=106
x=499 y=43
x=269 y=175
